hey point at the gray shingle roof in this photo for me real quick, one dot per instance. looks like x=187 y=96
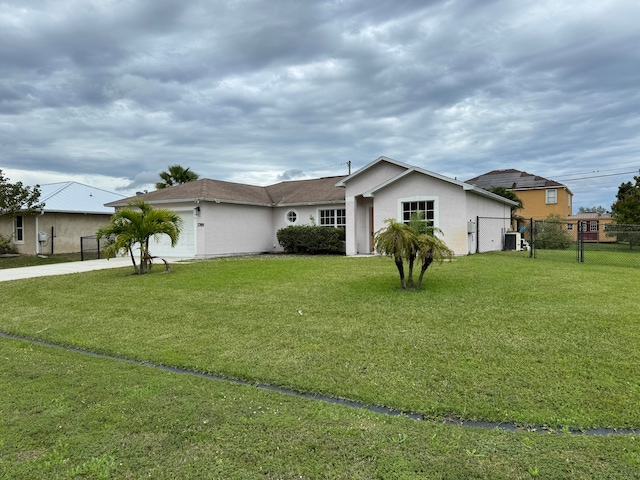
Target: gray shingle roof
x=513 y=180
x=317 y=190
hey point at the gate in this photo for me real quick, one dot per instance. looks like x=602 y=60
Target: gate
x=90 y=247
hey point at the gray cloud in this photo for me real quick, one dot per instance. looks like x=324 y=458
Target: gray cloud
x=247 y=90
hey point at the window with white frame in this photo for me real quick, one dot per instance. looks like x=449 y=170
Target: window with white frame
x=425 y=206
x=552 y=196
x=593 y=226
x=333 y=217
x=18 y=229
x=569 y=226
x=292 y=216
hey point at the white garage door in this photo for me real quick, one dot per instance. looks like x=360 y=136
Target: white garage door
x=186 y=246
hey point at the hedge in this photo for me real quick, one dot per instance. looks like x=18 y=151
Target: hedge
x=311 y=240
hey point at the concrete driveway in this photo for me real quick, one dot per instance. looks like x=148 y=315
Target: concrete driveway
x=7 y=274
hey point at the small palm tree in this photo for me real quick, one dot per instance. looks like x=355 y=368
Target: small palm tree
x=176 y=175
x=430 y=249
x=415 y=241
x=399 y=241
x=136 y=224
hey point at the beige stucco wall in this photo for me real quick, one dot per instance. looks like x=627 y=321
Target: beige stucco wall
x=535 y=206
x=67 y=230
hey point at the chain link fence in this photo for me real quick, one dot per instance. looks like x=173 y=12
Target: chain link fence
x=591 y=241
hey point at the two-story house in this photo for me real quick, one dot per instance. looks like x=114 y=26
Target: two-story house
x=540 y=197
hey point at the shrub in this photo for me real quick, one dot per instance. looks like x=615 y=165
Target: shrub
x=551 y=234
x=312 y=240
x=6 y=246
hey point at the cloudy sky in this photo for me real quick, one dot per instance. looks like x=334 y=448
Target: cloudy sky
x=111 y=92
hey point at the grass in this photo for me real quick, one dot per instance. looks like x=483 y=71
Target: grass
x=620 y=254
x=34 y=260
x=495 y=337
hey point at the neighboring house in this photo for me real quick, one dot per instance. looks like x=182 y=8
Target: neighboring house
x=592 y=225
x=224 y=218
x=540 y=197
x=71 y=210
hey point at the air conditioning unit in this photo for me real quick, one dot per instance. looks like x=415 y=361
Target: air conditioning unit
x=512 y=241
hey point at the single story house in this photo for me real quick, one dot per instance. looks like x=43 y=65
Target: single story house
x=71 y=210
x=386 y=188
x=592 y=227
x=224 y=218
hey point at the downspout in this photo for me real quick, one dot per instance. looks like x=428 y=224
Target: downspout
x=37 y=233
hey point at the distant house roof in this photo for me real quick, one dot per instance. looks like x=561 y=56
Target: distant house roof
x=513 y=180
x=296 y=192
x=74 y=197
x=590 y=216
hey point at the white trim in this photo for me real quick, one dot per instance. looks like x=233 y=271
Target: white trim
x=286 y=216
x=335 y=217
x=421 y=198
x=15 y=230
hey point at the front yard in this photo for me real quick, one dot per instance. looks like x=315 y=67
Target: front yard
x=495 y=337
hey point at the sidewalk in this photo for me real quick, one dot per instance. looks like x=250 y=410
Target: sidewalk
x=7 y=274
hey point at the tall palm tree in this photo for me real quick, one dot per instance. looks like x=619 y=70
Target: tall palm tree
x=176 y=175
x=134 y=225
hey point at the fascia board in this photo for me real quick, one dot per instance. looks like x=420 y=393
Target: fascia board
x=342 y=183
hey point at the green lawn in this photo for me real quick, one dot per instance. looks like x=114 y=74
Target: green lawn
x=34 y=260
x=496 y=337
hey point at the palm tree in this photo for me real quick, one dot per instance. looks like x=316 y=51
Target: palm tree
x=430 y=249
x=399 y=241
x=415 y=241
x=176 y=175
x=136 y=224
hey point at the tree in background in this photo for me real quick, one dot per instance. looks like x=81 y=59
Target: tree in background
x=136 y=224
x=626 y=208
x=15 y=197
x=411 y=242
x=510 y=195
x=176 y=175
x=599 y=209
x=551 y=233
x=626 y=213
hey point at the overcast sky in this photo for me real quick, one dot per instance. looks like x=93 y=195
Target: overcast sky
x=111 y=92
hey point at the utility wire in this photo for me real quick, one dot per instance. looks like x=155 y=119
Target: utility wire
x=598 y=176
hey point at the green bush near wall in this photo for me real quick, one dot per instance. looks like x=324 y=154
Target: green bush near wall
x=6 y=245
x=311 y=240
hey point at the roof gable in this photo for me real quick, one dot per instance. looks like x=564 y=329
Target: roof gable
x=464 y=186
x=370 y=165
x=74 y=197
